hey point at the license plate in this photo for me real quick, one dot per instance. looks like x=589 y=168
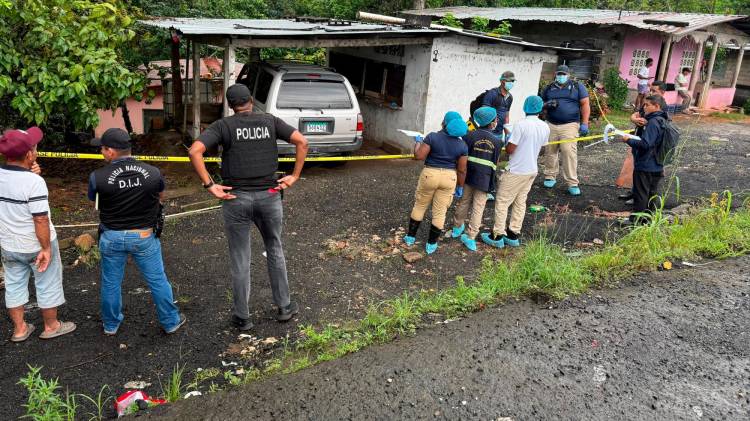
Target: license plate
x=316 y=127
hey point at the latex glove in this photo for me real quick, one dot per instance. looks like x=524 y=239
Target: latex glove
x=459 y=192
x=583 y=130
x=418 y=139
x=507 y=137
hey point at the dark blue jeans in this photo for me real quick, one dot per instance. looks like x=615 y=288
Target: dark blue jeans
x=115 y=246
x=264 y=210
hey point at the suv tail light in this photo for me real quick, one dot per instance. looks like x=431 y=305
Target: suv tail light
x=360 y=124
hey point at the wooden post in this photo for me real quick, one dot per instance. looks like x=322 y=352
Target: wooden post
x=740 y=56
x=196 y=90
x=229 y=76
x=707 y=84
x=696 y=73
x=666 y=55
x=418 y=4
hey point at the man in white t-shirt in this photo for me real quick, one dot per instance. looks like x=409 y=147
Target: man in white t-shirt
x=681 y=83
x=529 y=135
x=643 y=78
x=28 y=241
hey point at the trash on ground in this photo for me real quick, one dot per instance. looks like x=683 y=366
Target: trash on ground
x=136 y=384
x=600 y=375
x=598 y=241
x=133 y=401
x=227 y=364
x=537 y=208
x=193 y=393
x=667 y=265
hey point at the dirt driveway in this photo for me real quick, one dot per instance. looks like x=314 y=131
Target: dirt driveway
x=339 y=227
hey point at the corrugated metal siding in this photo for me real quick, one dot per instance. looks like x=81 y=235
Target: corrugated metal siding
x=586 y=16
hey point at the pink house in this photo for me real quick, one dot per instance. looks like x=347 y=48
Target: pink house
x=149 y=112
x=625 y=39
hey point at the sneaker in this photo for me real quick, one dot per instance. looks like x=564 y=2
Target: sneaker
x=549 y=182
x=286 y=313
x=490 y=197
x=625 y=196
x=497 y=242
x=430 y=247
x=574 y=191
x=630 y=202
x=469 y=243
x=409 y=240
x=457 y=231
x=182 y=321
x=241 y=324
x=511 y=239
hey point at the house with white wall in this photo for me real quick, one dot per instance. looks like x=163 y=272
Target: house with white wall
x=406 y=75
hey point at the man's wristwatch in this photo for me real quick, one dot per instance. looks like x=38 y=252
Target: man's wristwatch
x=209 y=184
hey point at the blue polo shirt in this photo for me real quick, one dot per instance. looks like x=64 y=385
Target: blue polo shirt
x=568 y=98
x=444 y=150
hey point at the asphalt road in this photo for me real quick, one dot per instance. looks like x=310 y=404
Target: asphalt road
x=668 y=345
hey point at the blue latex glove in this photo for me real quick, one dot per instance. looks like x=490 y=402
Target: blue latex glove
x=418 y=139
x=583 y=130
x=459 y=192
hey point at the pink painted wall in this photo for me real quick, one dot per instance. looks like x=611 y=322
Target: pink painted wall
x=720 y=97
x=636 y=41
x=135 y=108
x=685 y=44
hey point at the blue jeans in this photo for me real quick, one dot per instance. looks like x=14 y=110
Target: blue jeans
x=115 y=246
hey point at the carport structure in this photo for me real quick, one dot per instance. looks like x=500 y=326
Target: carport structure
x=231 y=34
x=405 y=74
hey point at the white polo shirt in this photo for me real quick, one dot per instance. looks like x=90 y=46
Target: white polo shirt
x=529 y=135
x=23 y=195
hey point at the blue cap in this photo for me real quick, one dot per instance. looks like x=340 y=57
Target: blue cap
x=456 y=128
x=533 y=105
x=450 y=116
x=483 y=116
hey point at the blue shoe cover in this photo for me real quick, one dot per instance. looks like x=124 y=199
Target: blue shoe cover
x=430 y=248
x=457 y=231
x=511 y=243
x=409 y=240
x=549 y=183
x=469 y=243
x=489 y=241
x=574 y=191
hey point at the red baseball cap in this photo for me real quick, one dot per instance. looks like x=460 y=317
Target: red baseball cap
x=15 y=143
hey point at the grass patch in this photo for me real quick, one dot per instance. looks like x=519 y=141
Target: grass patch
x=172 y=391
x=46 y=404
x=620 y=118
x=729 y=116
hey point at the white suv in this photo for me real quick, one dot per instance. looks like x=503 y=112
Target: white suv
x=319 y=102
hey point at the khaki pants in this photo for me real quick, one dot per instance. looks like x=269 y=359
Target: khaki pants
x=476 y=200
x=686 y=99
x=436 y=186
x=568 y=153
x=513 y=190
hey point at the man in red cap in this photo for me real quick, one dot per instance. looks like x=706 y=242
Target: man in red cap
x=27 y=237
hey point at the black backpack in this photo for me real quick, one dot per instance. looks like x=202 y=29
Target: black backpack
x=666 y=149
x=474 y=105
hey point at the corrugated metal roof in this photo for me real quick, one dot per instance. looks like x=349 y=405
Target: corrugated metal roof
x=278 y=27
x=688 y=22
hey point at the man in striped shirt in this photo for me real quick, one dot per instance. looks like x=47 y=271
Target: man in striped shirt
x=27 y=237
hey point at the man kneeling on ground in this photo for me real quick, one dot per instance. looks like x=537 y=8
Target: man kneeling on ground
x=648 y=172
x=27 y=237
x=484 y=152
x=128 y=194
x=529 y=135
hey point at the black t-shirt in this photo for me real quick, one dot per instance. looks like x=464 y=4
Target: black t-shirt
x=128 y=194
x=249 y=152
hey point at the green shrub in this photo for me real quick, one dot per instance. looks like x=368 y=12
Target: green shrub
x=480 y=24
x=746 y=107
x=616 y=88
x=450 y=20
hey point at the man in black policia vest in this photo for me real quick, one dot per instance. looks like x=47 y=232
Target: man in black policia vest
x=251 y=194
x=128 y=195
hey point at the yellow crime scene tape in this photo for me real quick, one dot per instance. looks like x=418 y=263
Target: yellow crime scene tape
x=73 y=155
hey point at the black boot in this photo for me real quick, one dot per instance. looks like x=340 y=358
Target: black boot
x=432 y=239
x=413 y=227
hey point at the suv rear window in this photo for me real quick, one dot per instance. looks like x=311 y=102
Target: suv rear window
x=314 y=94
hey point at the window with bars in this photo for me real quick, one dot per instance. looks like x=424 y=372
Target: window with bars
x=637 y=61
x=688 y=59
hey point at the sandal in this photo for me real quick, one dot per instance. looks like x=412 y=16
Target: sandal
x=65 y=328
x=29 y=330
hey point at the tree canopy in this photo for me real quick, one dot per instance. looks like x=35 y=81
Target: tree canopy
x=61 y=57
